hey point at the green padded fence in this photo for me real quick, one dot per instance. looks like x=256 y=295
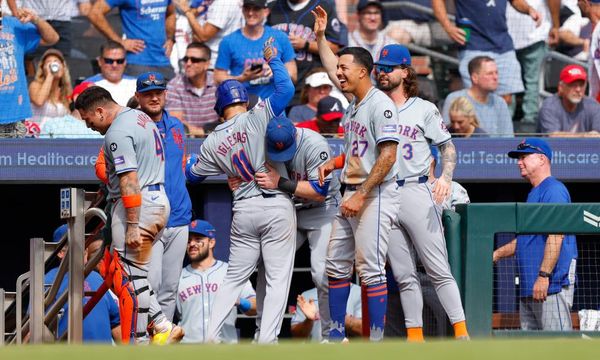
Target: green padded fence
x=470 y=254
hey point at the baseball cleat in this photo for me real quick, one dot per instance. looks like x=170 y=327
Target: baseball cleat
x=172 y=335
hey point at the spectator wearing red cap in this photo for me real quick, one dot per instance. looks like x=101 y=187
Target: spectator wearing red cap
x=70 y=125
x=569 y=113
x=327 y=121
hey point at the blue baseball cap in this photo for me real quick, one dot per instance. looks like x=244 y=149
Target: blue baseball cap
x=394 y=55
x=532 y=146
x=281 y=139
x=59 y=233
x=203 y=228
x=151 y=80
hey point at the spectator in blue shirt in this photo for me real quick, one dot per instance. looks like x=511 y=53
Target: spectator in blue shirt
x=240 y=53
x=149 y=26
x=18 y=36
x=481 y=30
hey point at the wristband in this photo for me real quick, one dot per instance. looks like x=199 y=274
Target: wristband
x=287 y=185
x=130 y=201
x=244 y=305
x=544 y=274
x=339 y=161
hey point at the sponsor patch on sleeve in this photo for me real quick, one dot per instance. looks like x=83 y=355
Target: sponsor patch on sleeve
x=119 y=160
x=389 y=129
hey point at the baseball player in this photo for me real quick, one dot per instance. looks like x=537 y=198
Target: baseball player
x=419 y=217
x=264 y=221
x=169 y=250
x=362 y=227
x=200 y=282
x=301 y=152
x=134 y=155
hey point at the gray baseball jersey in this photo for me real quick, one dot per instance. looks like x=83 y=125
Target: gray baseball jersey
x=236 y=148
x=133 y=143
x=419 y=221
x=312 y=151
x=264 y=222
x=421 y=125
x=314 y=218
x=128 y=146
x=366 y=124
x=353 y=307
x=195 y=300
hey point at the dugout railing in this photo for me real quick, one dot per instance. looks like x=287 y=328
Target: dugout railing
x=470 y=242
x=17 y=324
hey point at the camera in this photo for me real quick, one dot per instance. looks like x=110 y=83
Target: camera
x=54 y=67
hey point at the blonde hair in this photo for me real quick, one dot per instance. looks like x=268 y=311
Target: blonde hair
x=463 y=106
x=65 y=81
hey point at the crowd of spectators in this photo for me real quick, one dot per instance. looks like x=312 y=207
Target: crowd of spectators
x=196 y=44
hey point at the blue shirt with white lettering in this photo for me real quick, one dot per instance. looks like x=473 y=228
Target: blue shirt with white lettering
x=145 y=20
x=237 y=52
x=530 y=248
x=16 y=39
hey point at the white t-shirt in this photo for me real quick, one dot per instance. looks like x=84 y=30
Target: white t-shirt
x=121 y=92
x=523 y=29
x=227 y=16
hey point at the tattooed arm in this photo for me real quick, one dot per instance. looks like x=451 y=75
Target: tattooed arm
x=128 y=183
x=385 y=161
x=443 y=185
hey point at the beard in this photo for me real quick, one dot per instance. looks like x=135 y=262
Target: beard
x=575 y=99
x=200 y=256
x=389 y=85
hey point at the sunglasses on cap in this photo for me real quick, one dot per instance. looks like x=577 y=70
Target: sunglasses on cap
x=154 y=82
x=110 y=61
x=524 y=146
x=386 y=69
x=193 y=59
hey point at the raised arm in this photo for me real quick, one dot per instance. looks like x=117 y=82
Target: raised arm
x=284 y=88
x=48 y=35
x=202 y=33
x=328 y=58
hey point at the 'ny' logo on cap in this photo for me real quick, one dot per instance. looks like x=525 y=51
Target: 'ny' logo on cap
x=279 y=145
x=384 y=53
x=151 y=77
x=193 y=223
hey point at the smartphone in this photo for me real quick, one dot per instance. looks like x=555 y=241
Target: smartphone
x=255 y=67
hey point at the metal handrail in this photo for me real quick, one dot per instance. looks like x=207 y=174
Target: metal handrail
x=412 y=6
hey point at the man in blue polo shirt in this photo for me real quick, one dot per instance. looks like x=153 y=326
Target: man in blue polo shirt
x=240 y=53
x=546 y=262
x=149 y=27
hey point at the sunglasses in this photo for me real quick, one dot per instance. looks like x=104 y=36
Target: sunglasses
x=384 y=68
x=525 y=146
x=193 y=59
x=154 y=82
x=110 y=61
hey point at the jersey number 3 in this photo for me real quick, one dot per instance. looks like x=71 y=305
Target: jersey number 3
x=242 y=165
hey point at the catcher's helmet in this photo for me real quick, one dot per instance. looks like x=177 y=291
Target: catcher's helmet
x=228 y=93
